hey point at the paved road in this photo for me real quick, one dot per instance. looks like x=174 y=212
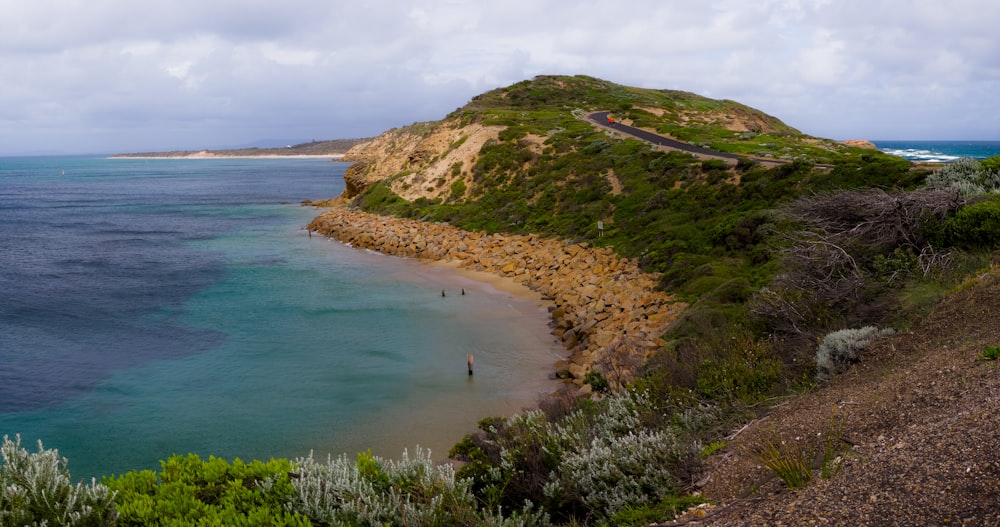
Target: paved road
x=601 y=118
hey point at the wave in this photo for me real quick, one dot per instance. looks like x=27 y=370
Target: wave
x=926 y=156
x=939 y=151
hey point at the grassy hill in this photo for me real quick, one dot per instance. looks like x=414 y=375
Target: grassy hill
x=523 y=159
x=772 y=258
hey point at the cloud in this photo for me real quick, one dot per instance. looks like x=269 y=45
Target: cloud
x=112 y=75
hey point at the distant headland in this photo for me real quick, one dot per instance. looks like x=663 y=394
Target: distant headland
x=334 y=149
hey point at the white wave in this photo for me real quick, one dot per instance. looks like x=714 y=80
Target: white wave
x=917 y=154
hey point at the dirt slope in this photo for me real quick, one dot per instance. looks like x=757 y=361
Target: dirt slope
x=425 y=158
x=921 y=429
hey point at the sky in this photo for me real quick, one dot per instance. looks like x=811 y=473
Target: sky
x=111 y=76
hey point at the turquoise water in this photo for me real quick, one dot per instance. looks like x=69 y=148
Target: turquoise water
x=940 y=151
x=169 y=307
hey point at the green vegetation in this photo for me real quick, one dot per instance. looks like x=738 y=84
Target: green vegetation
x=970 y=177
x=793 y=463
x=591 y=461
x=35 y=489
x=990 y=353
x=775 y=262
x=190 y=491
x=842 y=348
x=786 y=459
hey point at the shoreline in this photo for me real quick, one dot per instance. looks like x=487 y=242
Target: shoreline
x=605 y=312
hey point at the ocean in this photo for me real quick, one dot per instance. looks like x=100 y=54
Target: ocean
x=939 y=151
x=159 y=307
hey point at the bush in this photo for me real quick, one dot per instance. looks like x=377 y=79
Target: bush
x=975 y=226
x=619 y=471
x=594 y=462
x=842 y=348
x=746 y=374
x=35 y=489
x=374 y=491
x=969 y=176
x=189 y=491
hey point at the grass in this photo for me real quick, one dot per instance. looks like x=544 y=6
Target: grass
x=990 y=353
x=786 y=460
x=789 y=461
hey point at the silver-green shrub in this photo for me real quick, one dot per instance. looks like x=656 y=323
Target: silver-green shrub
x=616 y=472
x=375 y=491
x=842 y=348
x=968 y=176
x=609 y=461
x=36 y=490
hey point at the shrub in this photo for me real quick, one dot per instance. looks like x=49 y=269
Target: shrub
x=457 y=190
x=375 y=491
x=842 y=348
x=975 y=226
x=595 y=461
x=969 y=176
x=189 y=491
x=35 y=489
x=746 y=374
x=618 y=471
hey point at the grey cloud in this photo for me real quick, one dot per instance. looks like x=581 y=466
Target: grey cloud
x=110 y=74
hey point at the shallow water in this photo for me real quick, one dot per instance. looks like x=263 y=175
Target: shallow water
x=172 y=306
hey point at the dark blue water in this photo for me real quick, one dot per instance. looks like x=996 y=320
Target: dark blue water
x=154 y=307
x=940 y=151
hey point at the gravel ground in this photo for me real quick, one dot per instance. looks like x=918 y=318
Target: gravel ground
x=919 y=438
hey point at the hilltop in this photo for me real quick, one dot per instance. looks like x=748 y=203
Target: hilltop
x=425 y=160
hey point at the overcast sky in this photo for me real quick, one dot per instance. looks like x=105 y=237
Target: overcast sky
x=104 y=76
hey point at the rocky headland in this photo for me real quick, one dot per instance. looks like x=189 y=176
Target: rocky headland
x=607 y=312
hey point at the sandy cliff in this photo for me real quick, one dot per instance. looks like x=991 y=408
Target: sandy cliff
x=421 y=160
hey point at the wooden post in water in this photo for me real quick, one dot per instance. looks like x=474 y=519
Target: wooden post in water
x=469 y=359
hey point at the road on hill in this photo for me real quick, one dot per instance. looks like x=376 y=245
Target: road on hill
x=666 y=143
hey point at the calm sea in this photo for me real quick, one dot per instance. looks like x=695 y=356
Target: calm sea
x=159 y=307
x=940 y=151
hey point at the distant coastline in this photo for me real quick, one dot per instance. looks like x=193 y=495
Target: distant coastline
x=211 y=155
x=331 y=149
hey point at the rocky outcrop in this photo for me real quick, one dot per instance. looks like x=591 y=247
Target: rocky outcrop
x=606 y=312
x=860 y=143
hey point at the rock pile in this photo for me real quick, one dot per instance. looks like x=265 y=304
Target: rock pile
x=606 y=311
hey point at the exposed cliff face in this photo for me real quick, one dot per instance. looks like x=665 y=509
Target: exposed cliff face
x=424 y=159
